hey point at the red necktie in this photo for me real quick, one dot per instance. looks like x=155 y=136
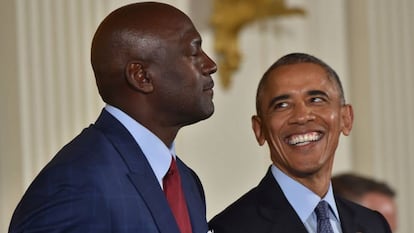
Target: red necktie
x=175 y=196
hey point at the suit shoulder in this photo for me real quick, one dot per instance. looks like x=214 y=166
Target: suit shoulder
x=368 y=220
x=243 y=208
x=355 y=208
x=86 y=156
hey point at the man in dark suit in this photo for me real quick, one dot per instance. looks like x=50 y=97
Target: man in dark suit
x=301 y=112
x=155 y=78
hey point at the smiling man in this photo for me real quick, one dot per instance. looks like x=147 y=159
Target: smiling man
x=301 y=113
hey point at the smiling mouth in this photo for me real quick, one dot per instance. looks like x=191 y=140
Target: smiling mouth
x=304 y=139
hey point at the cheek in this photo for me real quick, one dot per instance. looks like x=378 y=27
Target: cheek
x=333 y=119
x=273 y=134
x=274 y=126
x=334 y=124
x=189 y=76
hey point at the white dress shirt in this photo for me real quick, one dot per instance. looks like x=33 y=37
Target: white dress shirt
x=304 y=201
x=156 y=152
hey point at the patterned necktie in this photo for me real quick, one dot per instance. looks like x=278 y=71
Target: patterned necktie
x=175 y=196
x=322 y=215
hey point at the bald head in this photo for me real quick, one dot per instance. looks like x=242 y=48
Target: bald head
x=133 y=32
x=149 y=63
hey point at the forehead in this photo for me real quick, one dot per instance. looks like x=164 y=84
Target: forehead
x=299 y=77
x=181 y=31
x=174 y=34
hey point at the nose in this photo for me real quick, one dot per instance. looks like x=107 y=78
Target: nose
x=301 y=114
x=208 y=66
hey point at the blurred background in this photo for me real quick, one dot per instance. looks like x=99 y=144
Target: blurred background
x=48 y=94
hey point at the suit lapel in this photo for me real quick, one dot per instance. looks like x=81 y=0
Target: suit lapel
x=274 y=207
x=156 y=202
x=194 y=197
x=141 y=174
x=349 y=223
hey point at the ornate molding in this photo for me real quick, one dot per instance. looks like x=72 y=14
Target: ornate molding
x=228 y=19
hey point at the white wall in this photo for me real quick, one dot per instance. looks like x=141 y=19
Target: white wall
x=10 y=151
x=381 y=61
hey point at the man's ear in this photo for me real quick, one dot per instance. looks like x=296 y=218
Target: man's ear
x=257 y=129
x=347 y=118
x=138 y=77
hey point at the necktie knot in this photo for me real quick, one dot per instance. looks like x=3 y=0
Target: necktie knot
x=322 y=215
x=322 y=210
x=172 y=170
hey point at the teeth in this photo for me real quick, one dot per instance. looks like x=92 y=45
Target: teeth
x=304 y=138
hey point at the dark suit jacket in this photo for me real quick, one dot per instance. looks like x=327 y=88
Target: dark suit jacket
x=265 y=209
x=102 y=182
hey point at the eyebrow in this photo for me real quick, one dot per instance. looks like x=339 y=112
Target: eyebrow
x=317 y=92
x=277 y=99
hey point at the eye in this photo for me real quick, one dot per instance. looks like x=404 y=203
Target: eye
x=195 y=48
x=281 y=105
x=317 y=100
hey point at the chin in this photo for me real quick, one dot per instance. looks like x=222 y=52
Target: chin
x=208 y=111
x=202 y=116
x=207 y=115
x=305 y=171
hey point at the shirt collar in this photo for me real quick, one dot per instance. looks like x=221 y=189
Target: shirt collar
x=302 y=199
x=155 y=151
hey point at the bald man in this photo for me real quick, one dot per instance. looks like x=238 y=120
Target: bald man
x=155 y=78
